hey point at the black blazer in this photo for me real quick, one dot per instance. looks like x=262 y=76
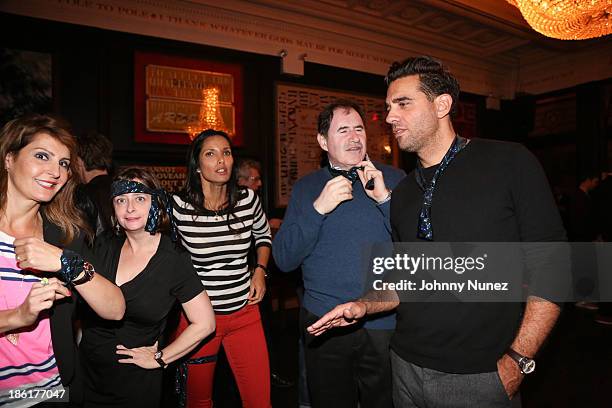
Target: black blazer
x=61 y=318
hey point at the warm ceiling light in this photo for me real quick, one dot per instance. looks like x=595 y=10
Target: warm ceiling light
x=567 y=19
x=210 y=114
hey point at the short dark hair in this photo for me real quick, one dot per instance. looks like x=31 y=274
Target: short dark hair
x=590 y=175
x=327 y=114
x=434 y=77
x=96 y=151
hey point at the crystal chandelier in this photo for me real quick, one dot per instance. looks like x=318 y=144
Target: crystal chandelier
x=567 y=19
x=210 y=114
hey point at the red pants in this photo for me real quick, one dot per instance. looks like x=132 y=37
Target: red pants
x=243 y=340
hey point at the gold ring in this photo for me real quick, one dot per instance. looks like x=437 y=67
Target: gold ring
x=18 y=258
x=44 y=281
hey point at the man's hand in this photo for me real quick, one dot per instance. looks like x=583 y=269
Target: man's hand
x=258 y=286
x=368 y=173
x=538 y=320
x=342 y=315
x=35 y=254
x=336 y=190
x=510 y=374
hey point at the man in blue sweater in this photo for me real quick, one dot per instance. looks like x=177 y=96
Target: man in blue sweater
x=333 y=215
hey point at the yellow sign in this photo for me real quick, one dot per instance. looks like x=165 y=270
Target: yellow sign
x=171 y=178
x=178 y=99
x=187 y=84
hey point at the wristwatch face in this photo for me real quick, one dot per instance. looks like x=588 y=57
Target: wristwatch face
x=157 y=355
x=528 y=366
x=88 y=274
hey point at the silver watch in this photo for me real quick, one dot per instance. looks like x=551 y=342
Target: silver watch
x=526 y=364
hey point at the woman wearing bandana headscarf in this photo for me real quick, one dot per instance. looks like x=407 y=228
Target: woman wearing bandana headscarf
x=123 y=361
x=217 y=221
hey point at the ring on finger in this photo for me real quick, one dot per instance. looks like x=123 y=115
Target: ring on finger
x=44 y=281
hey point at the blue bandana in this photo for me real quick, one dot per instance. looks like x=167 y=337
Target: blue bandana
x=121 y=187
x=425 y=227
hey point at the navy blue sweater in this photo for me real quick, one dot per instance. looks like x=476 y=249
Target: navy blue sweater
x=329 y=247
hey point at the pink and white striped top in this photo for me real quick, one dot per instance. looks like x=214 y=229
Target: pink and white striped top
x=26 y=360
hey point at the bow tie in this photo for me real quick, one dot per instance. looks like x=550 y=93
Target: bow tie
x=351 y=174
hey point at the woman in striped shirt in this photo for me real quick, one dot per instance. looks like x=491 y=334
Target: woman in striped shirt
x=39 y=229
x=217 y=221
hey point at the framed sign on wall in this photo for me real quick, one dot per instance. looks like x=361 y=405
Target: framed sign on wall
x=171 y=178
x=176 y=96
x=297 y=150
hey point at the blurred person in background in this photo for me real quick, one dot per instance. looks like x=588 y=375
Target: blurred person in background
x=95 y=164
x=249 y=176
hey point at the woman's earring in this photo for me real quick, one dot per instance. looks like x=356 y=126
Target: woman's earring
x=198 y=171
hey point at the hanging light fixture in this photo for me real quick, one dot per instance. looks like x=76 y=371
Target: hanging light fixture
x=567 y=19
x=210 y=114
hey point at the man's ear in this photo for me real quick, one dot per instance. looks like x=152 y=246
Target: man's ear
x=322 y=141
x=443 y=105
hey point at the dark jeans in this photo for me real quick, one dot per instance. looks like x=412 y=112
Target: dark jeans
x=347 y=366
x=418 y=387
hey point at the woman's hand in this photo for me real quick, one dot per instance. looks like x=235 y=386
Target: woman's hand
x=258 y=286
x=41 y=297
x=35 y=254
x=141 y=356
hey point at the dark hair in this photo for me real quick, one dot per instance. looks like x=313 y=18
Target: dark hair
x=434 y=77
x=192 y=192
x=147 y=178
x=590 y=175
x=327 y=114
x=61 y=210
x=244 y=165
x=96 y=151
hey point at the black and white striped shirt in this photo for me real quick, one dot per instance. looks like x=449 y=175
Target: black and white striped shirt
x=220 y=254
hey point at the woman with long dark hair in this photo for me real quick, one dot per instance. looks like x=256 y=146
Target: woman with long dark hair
x=217 y=221
x=123 y=360
x=43 y=266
